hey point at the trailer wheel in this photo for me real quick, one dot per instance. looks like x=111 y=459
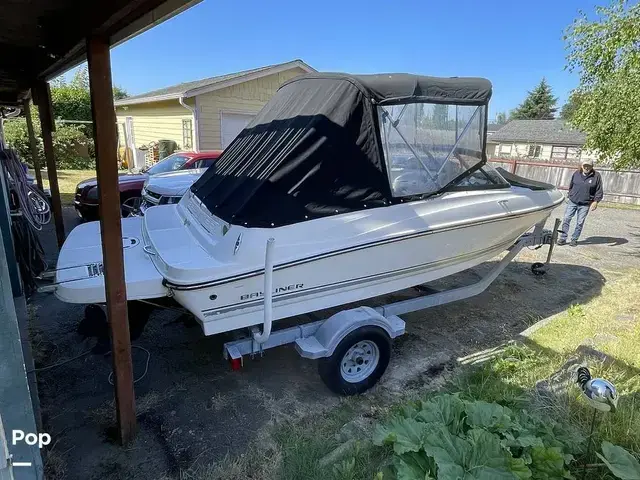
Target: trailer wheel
x=358 y=361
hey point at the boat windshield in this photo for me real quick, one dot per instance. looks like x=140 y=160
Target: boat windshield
x=483 y=178
x=427 y=146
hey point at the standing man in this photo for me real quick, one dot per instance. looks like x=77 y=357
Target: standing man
x=585 y=191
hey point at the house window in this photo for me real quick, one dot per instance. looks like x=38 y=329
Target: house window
x=573 y=153
x=505 y=149
x=568 y=153
x=534 y=151
x=187 y=134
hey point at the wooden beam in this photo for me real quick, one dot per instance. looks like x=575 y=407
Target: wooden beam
x=32 y=144
x=46 y=121
x=105 y=137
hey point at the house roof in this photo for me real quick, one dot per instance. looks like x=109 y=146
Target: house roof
x=493 y=127
x=556 y=132
x=191 y=89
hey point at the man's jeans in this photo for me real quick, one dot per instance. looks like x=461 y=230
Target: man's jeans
x=572 y=209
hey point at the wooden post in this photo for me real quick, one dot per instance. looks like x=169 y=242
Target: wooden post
x=514 y=165
x=105 y=137
x=46 y=121
x=32 y=144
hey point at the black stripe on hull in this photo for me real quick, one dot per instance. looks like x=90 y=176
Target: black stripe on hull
x=366 y=279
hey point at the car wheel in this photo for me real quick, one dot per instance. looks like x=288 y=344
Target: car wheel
x=131 y=207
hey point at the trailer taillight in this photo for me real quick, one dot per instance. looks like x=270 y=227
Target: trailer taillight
x=236 y=363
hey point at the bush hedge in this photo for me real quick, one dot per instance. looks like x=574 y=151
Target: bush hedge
x=73 y=148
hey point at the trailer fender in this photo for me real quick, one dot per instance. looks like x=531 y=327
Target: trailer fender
x=324 y=341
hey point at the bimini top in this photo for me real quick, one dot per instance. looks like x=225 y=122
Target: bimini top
x=390 y=88
x=327 y=144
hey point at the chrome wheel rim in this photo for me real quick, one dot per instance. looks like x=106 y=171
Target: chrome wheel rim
x=360 y=361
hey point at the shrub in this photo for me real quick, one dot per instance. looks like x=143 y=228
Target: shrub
x=448 y=437
x=72 y=148
x=16 y=136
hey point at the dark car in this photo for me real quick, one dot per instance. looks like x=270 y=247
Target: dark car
x=86 y=199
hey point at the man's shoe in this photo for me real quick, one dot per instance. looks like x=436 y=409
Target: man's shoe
x=561 y=241
x=574 y=243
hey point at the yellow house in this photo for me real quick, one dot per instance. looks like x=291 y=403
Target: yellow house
x=204 y=114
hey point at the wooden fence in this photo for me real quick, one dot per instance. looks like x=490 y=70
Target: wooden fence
x=622 y=186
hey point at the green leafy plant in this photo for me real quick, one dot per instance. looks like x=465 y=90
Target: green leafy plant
x=620 y=462
x=576 y=311
x=448 y=437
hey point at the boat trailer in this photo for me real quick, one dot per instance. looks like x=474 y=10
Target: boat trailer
x=353 y=346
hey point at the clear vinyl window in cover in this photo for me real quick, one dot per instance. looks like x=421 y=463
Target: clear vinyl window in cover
x=426 y=145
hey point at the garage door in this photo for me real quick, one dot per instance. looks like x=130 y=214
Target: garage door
x=232 y=125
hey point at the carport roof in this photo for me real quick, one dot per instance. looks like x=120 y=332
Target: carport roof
x=40 y=39
x=190 y=89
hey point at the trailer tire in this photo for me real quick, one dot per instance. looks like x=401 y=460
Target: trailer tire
x=358 y=362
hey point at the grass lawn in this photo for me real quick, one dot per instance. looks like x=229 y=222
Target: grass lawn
x=620 y=206
x=67 y=181
x=608 y=323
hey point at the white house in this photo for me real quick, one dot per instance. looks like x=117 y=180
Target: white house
x=545 y=140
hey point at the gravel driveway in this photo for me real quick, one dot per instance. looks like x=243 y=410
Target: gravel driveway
x=192 y=408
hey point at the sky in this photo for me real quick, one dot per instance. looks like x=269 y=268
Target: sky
x=513 y=43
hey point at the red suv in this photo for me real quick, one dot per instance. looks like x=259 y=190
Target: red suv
x=86 y=199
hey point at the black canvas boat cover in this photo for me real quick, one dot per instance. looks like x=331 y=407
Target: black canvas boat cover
x=390 y=88
x=314 y=150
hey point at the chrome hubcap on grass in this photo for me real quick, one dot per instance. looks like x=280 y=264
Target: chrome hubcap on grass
x=359 y=361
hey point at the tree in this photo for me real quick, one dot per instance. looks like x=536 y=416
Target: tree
x=606 y=55
x=569 y=109
x=119 y=93
x=81 y=79
x=540 y=104
x=71 y=100
x=501 y=118
x=440 y=115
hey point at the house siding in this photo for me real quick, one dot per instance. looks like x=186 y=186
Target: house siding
x=491 y=149
x=155 y=121
x=521 y=150
x=246 y=97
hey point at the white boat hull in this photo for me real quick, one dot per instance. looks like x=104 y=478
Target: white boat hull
x=80 y=275
x=216 y=270
x=353 y=276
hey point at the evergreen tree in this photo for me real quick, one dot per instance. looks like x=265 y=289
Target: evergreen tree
x=440 y=115
x=501 y=118
x=540 y=104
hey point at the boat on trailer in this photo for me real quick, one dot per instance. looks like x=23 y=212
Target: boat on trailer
x=343 y=188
